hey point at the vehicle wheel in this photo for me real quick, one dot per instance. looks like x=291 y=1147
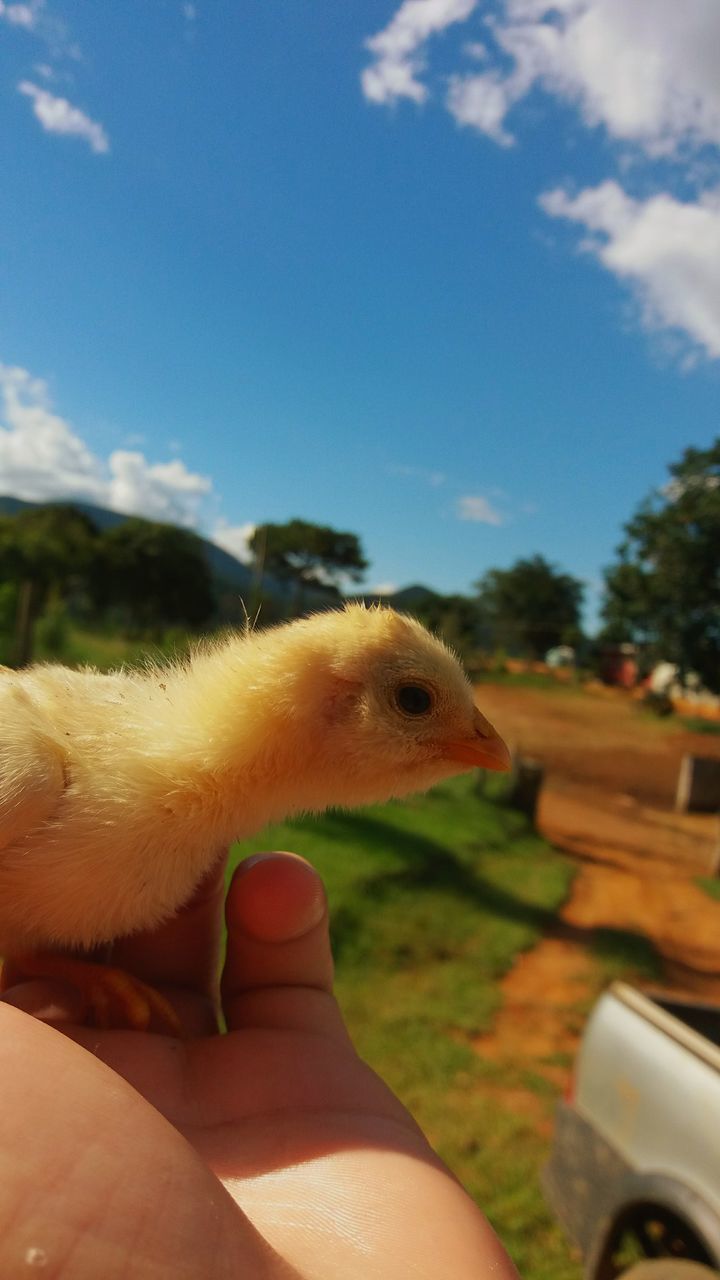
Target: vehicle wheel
x=669 y=1269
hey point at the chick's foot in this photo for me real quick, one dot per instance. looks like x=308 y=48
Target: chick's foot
x=113 y=998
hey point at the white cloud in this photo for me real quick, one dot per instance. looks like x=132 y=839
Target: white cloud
x=160 y=490
x=381 y=589
x=481 y=101
x=478 y=509
x=34 y=18
x=647 y=71
x=20 y=15
x=235 y=539
x=43 y=458
x=644 y=71
x=399 y=48
x=40 y=456
x=57 y=115
x=667 y=250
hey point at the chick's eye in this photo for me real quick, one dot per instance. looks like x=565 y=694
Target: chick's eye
x=413 y=699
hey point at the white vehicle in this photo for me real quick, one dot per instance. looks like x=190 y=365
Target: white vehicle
x=634 y=1174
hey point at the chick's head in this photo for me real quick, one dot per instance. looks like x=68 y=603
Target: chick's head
x=401 y=715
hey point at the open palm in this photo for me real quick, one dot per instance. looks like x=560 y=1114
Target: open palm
x=271 y=1151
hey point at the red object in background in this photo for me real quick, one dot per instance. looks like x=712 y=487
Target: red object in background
x=618 y=666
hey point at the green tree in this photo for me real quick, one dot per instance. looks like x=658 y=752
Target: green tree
x=46 y=552
x=154 y=575
x=307 y=554
x=664 y=590
x=456 y=618
x=531 y=606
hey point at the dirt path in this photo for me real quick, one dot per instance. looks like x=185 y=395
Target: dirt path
x=600 y=825
x=610 y=782
x=547 y=992
x=600 y=739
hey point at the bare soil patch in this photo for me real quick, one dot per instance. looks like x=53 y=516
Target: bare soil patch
x=545 y=995
x=601 y=739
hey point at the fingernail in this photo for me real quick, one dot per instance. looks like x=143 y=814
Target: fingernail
x=272 y=855
x=283 y=905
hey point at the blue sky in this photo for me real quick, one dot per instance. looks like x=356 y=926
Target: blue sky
x=443 y=272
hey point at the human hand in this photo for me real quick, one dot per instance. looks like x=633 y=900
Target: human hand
x=271 y=1152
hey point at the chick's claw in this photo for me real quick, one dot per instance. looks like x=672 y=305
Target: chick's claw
x=113 y=999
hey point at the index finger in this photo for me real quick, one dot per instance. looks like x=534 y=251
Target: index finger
x=184 y=952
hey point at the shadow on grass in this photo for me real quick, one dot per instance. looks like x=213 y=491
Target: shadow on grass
x=434 y=867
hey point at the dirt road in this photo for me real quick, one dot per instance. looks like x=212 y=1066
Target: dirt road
x=611 y=773
x=600 y=739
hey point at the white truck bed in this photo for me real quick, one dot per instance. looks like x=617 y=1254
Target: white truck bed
x=637 y=1146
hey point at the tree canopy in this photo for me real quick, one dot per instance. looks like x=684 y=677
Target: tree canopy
x=147 y=575
x=47 y=545
x=306 y=553
x=664 y=590
x=531 y=606
x=456 y=618
x=43 y=551
x=156 y=573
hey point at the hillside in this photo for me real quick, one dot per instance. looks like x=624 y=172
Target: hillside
x=230 y=575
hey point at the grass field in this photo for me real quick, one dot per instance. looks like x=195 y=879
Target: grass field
x=106 y=650
x=695 y=724
x=431 y=901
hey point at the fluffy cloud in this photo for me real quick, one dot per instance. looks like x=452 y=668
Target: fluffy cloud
x=478 y=509
x=398 y=48
x=235 y=539
x=646 y=71
x=161 y=490
x=669 y=251
x=42 y=458
x=481 y=101
x=57 y=115
x=19 y=15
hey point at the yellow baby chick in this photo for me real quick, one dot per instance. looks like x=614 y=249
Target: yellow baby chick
x=117 y=791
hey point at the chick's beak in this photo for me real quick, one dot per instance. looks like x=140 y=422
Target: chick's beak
x=483 y=749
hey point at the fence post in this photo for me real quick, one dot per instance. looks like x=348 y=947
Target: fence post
x=526 y=783
x=698 y=788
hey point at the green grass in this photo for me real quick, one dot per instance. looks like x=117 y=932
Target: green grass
x=431 y=901
x=698 y=724
x=529 y=680
x=105 y=650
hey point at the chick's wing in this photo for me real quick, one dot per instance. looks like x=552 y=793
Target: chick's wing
x=32 y=767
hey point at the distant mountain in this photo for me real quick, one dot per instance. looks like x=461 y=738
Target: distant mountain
x=411 y=597
x=231 y=576
x=406 y=599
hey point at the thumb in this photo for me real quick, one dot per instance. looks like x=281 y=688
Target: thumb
x=279 y=970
